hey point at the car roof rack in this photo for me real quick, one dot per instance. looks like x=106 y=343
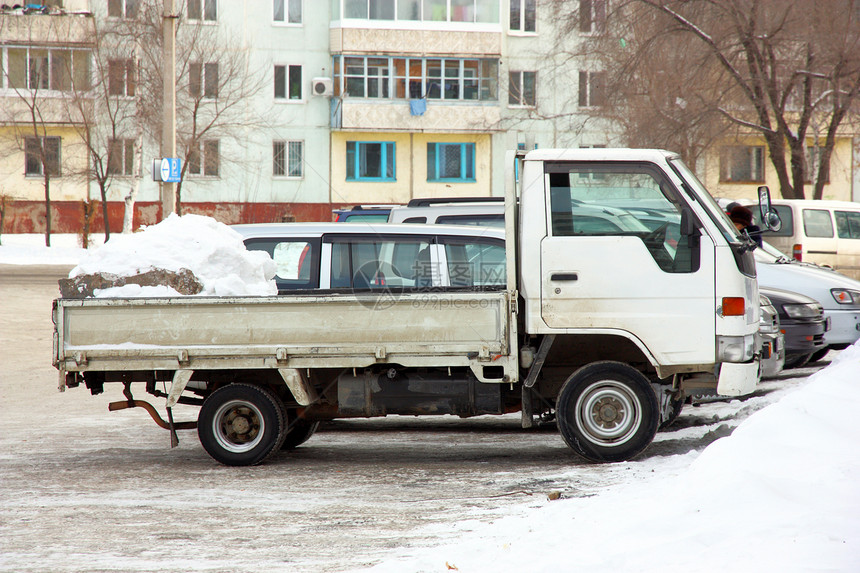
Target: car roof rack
x=427 y=202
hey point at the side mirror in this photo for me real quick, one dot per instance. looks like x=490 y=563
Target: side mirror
x=688 y=223
x=769 y=216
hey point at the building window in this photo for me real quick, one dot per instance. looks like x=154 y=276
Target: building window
x=43 y=69
x=203 y=80
x=592 y=16
x=370 y=161
x=34 y=153
x=121 y=78
x=205 y=159
x=742 y=164
x=122 y=8
x=521 y=89
x=523 y=15
x=592 y=89
x=206 y=10
x=435 y=78
x=288 y=82
x=474 y=11
x=121 y=157
x=287 y=11
x=288 y=159
x=451 y=162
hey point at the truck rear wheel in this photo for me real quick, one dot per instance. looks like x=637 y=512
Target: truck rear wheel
x=607 y=412
x=240 y=425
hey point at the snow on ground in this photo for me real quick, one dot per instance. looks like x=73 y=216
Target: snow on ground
x=209 y=249
x=781 y=493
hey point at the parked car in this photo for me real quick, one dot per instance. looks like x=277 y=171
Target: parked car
x=822 y=232
x=838 y=295
x=481 y=211
x=801 y=321
x=772 y=340
x=372 y=213
x=355 y=256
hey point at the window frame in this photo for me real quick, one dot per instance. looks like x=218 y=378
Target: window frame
x=406 y=78
x=200 y=160
x=206 y=7
x=285 y=6
x=353 y=172
x=477 y=8
x=757 y=169
x=524 y=8
x=592 y=89
x=517 y=94
x=288 y=83
x=29 y=159
x=286 y=156
x=597 y=11
x=467 y=152
x=126 y=162
x=128 y=87
x=199 y=80
x=59 y=71
x=123 y=6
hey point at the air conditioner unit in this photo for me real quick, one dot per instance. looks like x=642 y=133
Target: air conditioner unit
x=322 y=87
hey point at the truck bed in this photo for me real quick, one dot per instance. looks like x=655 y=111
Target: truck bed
x=292 y=331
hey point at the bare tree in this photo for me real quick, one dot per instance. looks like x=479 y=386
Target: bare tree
x=106 y=109
x=40 y=73
x=214 y=84
x=779 y=68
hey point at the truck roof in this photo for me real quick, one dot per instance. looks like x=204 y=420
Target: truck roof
x=319 y=229
x=600 y=154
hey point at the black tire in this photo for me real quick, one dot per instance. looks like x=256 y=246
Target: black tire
x=796 y=360
x=607 y=412
x=819 y=354
x=240 y=425
x=298 y=432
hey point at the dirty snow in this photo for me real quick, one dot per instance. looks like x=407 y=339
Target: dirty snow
x=211 y=250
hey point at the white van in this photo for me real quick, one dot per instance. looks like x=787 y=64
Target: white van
x=822 y=232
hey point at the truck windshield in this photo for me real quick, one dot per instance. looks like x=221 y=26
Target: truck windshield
x=717 y=214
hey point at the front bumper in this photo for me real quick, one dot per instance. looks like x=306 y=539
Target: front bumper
x=844 y=326
x=803 y=337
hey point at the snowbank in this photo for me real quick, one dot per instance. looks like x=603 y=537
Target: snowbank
x=782 y=493
x=209 y=249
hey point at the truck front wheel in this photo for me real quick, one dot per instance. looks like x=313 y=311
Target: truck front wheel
x=607 y=412
x=240 y=425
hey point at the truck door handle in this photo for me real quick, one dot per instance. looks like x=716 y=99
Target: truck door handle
x=563 y=277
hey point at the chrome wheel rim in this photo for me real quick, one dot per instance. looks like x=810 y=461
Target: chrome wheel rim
x=238 y=426
x=608 y=413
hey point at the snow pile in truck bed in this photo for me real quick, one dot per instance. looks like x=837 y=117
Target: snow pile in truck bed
x=211 y=250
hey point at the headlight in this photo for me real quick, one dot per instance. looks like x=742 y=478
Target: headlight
x=735 y=348
x=846 y=296
x=810 y=310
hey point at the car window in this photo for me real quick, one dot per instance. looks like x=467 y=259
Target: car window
x=610 y=199
x=817 y=223
x=475 y=262
x=364 y=217
x=848 y=224
x=472 y=220
x=374 y=263
x=296 y=260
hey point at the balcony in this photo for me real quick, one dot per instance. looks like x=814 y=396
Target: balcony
x=439 y=117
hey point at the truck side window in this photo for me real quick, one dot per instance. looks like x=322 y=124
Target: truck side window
x=612 y=199
x=475 y=262
x=297 y=261
x=374 y=263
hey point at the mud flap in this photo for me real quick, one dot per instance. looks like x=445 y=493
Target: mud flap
x=738 y=379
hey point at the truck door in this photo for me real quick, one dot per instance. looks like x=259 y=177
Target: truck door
x=623 y=252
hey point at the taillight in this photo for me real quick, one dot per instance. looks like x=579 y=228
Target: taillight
x=797 y=252
x=733 y=306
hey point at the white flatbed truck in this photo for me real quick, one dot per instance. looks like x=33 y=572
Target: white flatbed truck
x=626 y=290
